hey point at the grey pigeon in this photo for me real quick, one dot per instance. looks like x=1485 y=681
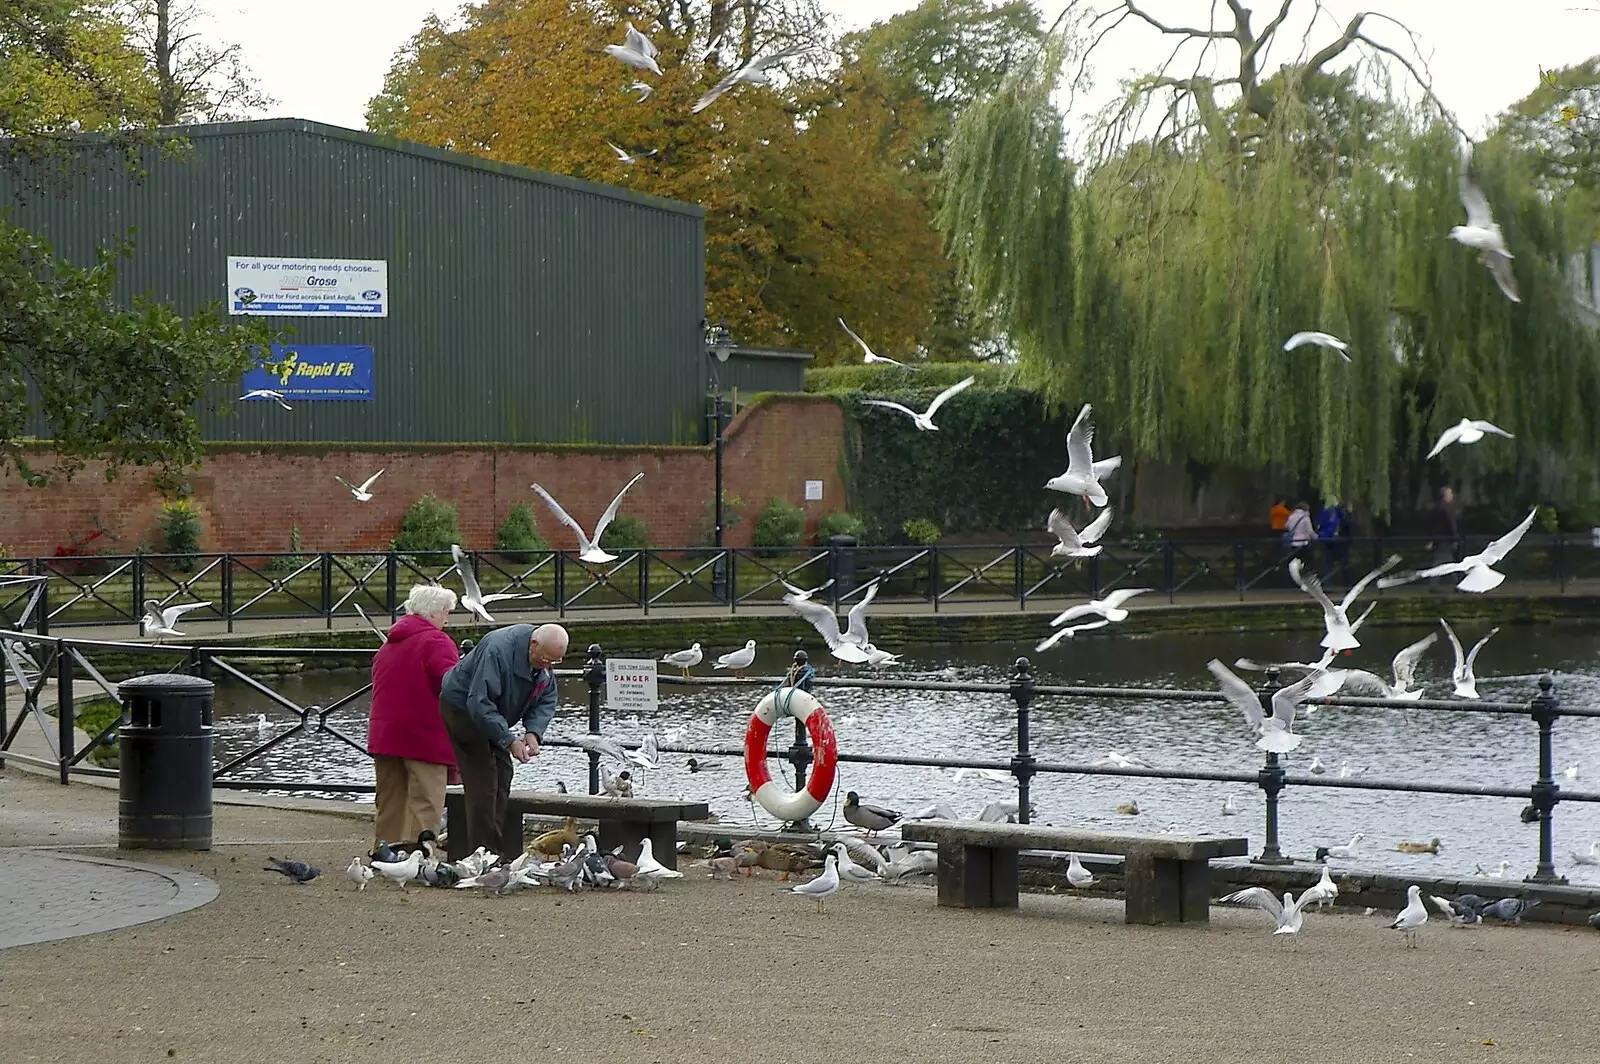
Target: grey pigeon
x=440 y=875
x=1594 y=921
x=299 y=871
x=1473 y=902
x=494 y=879
x=568 y=872
x=1511 y=910
x=385 y=854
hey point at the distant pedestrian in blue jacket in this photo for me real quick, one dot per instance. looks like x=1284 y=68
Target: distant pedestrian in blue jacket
x=1334 y=529
x=506 y=679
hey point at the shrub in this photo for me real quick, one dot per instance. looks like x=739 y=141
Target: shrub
x=840 y=524
x=922 y=531
x=780 y=525
x=732 y=507
x=519 y=536
x=180 y=532
x=625 y=533
x=284 y=563
x=430 y=525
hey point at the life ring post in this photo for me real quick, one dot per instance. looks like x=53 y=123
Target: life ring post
x=800 y=755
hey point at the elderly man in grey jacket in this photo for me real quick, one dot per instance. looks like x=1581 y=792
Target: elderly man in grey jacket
x=505 y=680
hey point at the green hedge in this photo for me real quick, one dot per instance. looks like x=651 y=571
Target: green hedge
x=879 y=379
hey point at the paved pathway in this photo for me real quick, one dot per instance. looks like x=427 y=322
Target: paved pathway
x=45 y=896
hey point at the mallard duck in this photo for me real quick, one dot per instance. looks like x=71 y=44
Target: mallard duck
x=785 y=860
x=748 y=856
x=1418 y=847
x=1128 y=808
x=874 y=818
x=550 y=842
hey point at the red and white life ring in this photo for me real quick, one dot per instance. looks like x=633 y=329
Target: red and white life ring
x=773 y=796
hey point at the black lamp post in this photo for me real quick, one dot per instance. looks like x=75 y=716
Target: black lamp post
x=718 y=346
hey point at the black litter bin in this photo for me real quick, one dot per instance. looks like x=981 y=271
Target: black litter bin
x=842 y=565
x=165 y=763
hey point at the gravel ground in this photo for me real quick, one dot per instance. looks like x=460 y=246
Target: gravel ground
x=702 y=970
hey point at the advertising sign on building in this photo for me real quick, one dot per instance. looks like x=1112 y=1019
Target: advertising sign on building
x=308 y=288
x=314 y=371
x=631 y=684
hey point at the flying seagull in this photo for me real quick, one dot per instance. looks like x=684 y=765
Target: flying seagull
x=754 y=73
x=643 y=88
x=1481 y=574
x=924 y=421
x=1467 y=431
x=871 y=356
x=1110 y=607
x=1073 y=543
x=850 y=646
x=1276 y=731
x=161 y=622
x=636 y=51
x=1321 y=339
x=266 y=393
x=364 y=492
x=589 y=549
x=1461 y=673
x=1067 y=632
x=1481 y=232
x=1084 y=474
x=628 y=160
x=472 y=596
x=1335 y=618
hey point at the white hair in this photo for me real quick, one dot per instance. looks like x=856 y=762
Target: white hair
x=430 y=600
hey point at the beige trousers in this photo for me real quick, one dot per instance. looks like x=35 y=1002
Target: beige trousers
x=410 y=797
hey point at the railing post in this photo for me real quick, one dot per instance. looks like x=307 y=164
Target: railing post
x=1271 y=781
x=561 y=583
x=327 y=587
x=594 y=674
x=1544 y=709
x=42 y=623
x=1167 y=566
x=391 y=578
x=65 y=718
x=933 y=577
x=800 y=756
x=731 y=556
x=138 y=588
x=227 y=591
x=1023 y=690
x=642 y=559
x=1018 y=582
x=1561 y=563
x=1238 y=569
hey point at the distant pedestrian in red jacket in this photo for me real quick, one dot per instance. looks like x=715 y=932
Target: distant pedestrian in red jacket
x=410 y=750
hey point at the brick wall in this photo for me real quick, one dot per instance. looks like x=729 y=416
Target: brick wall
x=252 y=497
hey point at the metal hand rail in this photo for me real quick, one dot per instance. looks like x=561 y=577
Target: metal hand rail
x=62 y=660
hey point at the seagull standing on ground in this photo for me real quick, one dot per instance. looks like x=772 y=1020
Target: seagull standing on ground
x=161 y=622
x=1482 y=234
x=870 y=355
x=1466 y=431
x=1321 y=339
x=1084 y=474
x=738 y=660
x=1461 y=673
x=825 y=884
x=589 y=549
x=636 y=51
x=1077 y=875
x=752 y=73
x=472 y=596
x=685 y=659
x=1412 y=917
x=924 y=420
x=364 y=492
x=1286 y=914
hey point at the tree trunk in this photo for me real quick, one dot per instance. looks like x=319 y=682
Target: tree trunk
x=169 y=98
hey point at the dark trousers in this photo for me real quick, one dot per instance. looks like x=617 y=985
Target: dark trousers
x=485 y=784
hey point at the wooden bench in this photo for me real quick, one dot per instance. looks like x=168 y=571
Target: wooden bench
x=1167 y=877
x=624 y=822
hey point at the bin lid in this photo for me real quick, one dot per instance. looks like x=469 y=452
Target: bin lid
x=165 y=682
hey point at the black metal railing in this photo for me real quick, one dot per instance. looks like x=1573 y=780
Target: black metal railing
x=34 y=662
x=107 y=589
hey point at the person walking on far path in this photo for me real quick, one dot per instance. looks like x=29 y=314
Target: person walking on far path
x=506 y=679
x=1446 y=532
x=1278 y=516
x=1334 y=530
x=411 y=755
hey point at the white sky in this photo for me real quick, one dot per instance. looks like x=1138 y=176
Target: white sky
x=326 y=66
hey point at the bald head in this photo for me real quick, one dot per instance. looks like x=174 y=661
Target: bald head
x=547 y=645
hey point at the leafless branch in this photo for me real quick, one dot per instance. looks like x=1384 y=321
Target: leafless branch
x=1183 y=31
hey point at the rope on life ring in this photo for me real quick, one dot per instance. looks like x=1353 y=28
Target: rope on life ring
x=774 y=797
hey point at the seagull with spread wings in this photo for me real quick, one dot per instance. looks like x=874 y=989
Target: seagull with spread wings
x=1481 y=233
x=1321 y=339
x=636 y=51
x=870 y=355
x=161 y=622
x=1335 y=617
x=1467 y=431
x=1466 y=683
x=1073 y=543
x=924 y=420
x=472 y=596
x=752 y=73
x=1277 y=731
x=1480 y=568
x=363 y=492
x=589 y=549
x=848 y=646
x=1084 y=474
x=628 y=160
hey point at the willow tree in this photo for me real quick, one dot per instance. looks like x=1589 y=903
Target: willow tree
x=1215 y=214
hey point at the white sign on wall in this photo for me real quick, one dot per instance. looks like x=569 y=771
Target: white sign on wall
x=308 y=288
x=631 y=684
x=813 y=490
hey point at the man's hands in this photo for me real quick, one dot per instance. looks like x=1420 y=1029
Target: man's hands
x=525 y=749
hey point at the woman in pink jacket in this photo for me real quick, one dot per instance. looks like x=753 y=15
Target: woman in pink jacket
x=410 y=751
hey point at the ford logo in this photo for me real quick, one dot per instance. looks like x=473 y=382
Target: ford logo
x=244 y=294
x=372 y=295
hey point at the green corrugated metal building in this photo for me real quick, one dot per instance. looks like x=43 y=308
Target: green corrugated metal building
x=521 y=306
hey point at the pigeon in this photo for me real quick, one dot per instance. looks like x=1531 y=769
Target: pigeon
x=924 y=420
x=1335 y=618
x=1277 y=735
x=362 y=493
x=754 y=73
x=299 y=871
x=1412 y=917
x=472 y=596
x=1482 y=234
x=589 y=549
x=1077 y=875
x=1461 y=673
x=400 y=872
x=1466 y=431
x=850 y=646
x=685 y=659
x=1481 y=574
x=636 y=51
x=872 y=817
x=266 y=393
x=437 y=874
x=1109 y=607
x=1068 y=631
x=870 y=355
x=738 y=660
x=1286 y=914
x=1510 y=910
x=495 y=879
x=1321 y=339
x=650 y=868
x=824 y=885
x=1072 y=543
x=1084 y=474
x=161 y=622
x=358 y=872
x=628 y=160
x=1459 y=915
x=618 y=786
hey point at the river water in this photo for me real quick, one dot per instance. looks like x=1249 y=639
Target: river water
x=1384 y=743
